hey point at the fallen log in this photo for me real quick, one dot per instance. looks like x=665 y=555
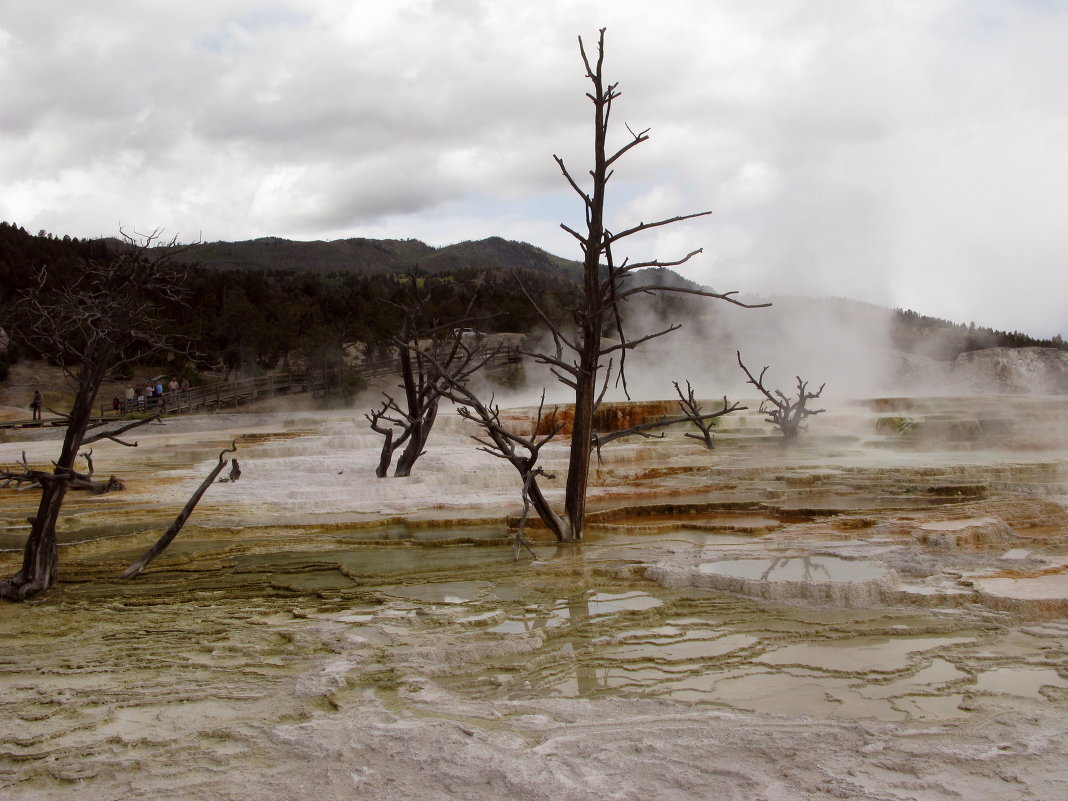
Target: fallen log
x=135 y=569
x=34 y=479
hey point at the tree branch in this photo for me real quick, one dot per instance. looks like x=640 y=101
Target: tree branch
x=114 y=434
x=644 y=226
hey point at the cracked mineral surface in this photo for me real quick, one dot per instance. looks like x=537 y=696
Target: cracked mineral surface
x=879 y=613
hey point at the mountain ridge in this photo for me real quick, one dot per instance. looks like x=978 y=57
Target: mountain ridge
x=373 y=256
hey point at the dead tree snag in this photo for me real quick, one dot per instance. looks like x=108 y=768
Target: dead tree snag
x=581 y=358
x=520 y=449
x=408 y=422
x=105 y=315
x=786 y=414
x=134 y=570
x=692 y=409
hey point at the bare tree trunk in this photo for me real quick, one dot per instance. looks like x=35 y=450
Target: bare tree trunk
x=417 y=441
x=591 y=313
x=40 y=558
x=689 y=406
x=578 y=470
x=556 y=524
x=421 y=423
x=386 y=455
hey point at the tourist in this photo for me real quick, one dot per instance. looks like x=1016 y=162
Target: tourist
x=36 y=403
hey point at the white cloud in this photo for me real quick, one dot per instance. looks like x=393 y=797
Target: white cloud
x=907 y=153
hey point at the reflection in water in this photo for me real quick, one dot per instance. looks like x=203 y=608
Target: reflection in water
x=578 y=609
x=574 y=623
x=708 y=647
x=448 y=592
x=800 y=568
x=1032 y=682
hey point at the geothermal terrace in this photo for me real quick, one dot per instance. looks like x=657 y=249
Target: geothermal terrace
x=879 y=613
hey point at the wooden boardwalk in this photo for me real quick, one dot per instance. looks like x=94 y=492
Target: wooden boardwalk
x=241 y=392
x=225 y=394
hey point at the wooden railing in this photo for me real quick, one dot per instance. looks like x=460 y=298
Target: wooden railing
x=225 y=393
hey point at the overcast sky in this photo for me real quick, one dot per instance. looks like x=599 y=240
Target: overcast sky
x=905 y=152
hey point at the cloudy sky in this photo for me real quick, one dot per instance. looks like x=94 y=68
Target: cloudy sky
x=906 y=152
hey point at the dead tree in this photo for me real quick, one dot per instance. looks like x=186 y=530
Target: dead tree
x=106 y=314
x=581 y=358
x=692 y=409
x=407 y=422
x=520 y=449
x=643 y=429
x=134 y=570
x=786 y=414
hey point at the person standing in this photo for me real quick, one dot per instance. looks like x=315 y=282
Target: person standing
x=36 y=404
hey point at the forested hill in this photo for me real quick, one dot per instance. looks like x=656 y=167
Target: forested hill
x=367 y=256
x=251 y=311
x=255 y=305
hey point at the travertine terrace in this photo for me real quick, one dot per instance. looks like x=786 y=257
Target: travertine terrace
x=880 y=613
